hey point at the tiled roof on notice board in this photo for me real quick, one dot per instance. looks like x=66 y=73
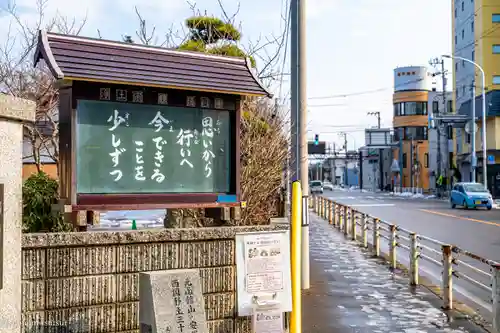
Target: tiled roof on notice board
x=90 y=59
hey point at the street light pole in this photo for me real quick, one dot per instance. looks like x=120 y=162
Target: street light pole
x=485 y=175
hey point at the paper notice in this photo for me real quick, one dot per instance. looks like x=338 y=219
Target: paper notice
x=268 y=321
x=264 y=264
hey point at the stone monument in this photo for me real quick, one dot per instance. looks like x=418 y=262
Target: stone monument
x=171 y=302
x=13 y=113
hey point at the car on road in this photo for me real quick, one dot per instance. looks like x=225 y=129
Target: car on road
x=328 y=186
x=316 y=186
x=470 y=195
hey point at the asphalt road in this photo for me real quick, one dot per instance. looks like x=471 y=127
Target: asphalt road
x=477 y=231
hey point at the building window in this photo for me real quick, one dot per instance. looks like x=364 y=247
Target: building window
x=426 y=160
x=456 y=92
x=456 y=40
x=450 y=106
x=495 y=18
x=456 y=67
x=473 y=55
x=449 y=133
x=404 y=161
x=435 y=107
x=467 y=138
x=463 y=34
x=463 y=6
x=463 y=63
x=496 y=79
x=463 y=90
x=411 y=133
x=415 y=133
x=472 y=26
x=410 y=109
x=455 y=12
x=496 y=48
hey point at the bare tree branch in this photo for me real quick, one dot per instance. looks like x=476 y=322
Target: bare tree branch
x=20 y=79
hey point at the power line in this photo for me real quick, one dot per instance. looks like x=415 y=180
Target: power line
x=286 y=36
x=358 y=93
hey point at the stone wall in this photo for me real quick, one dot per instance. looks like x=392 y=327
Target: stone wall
x=93 y=276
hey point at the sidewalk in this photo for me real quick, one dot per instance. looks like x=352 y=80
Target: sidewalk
x=351 y=292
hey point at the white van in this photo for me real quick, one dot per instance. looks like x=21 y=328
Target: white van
x=316 y=186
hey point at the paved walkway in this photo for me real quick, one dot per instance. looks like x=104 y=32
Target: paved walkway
x=353 y=292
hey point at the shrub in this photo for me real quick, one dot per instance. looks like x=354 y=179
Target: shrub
x=39 y=193
x=264 y=148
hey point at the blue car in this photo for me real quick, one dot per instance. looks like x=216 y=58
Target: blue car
x=470 y=195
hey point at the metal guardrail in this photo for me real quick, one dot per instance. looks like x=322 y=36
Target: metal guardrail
x=456 y=263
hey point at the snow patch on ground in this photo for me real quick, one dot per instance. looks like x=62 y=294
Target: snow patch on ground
x=122 y=220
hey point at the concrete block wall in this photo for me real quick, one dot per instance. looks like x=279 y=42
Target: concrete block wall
x=93 y=276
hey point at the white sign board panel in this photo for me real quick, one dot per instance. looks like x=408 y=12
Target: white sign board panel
x=263 y=270
x=377 y=137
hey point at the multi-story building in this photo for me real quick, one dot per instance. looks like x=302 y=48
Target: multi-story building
x=415 y=102
x=476 y=37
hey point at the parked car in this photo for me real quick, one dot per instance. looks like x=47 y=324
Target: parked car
x=328 y=186
x=316 y=186
x=470 y=195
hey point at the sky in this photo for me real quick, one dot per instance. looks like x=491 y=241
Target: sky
x=352 y=45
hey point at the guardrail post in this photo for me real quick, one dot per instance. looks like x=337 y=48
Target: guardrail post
x=337 y=216
x=364 y=230
x=393 y=246
x=353 y=225
x=322 y=208
x=414 y=255
x=376 y=237
x=496 y=296
x=325 y=209
x=348 y=214
x=330 y=212
x=341 y=217
x=334 y=212
x=447 y=281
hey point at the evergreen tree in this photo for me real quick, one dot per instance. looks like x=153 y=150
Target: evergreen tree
x=212 y=35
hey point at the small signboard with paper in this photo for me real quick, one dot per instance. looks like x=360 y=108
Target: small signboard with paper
x=264 y=278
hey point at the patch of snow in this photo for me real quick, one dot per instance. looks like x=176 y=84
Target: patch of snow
x=122 y=220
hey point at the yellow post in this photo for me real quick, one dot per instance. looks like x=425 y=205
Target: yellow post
x=296 y=225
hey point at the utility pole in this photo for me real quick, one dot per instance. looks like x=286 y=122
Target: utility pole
x=299 y=112
x=345 y=161
x=435 y=62
x=443 y=79
x=334 y=177
x=294 y=96
x=473 y=136
x=360 y=170
x=380 y=160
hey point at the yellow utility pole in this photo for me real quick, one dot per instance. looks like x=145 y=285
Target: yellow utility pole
x=296 y=253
